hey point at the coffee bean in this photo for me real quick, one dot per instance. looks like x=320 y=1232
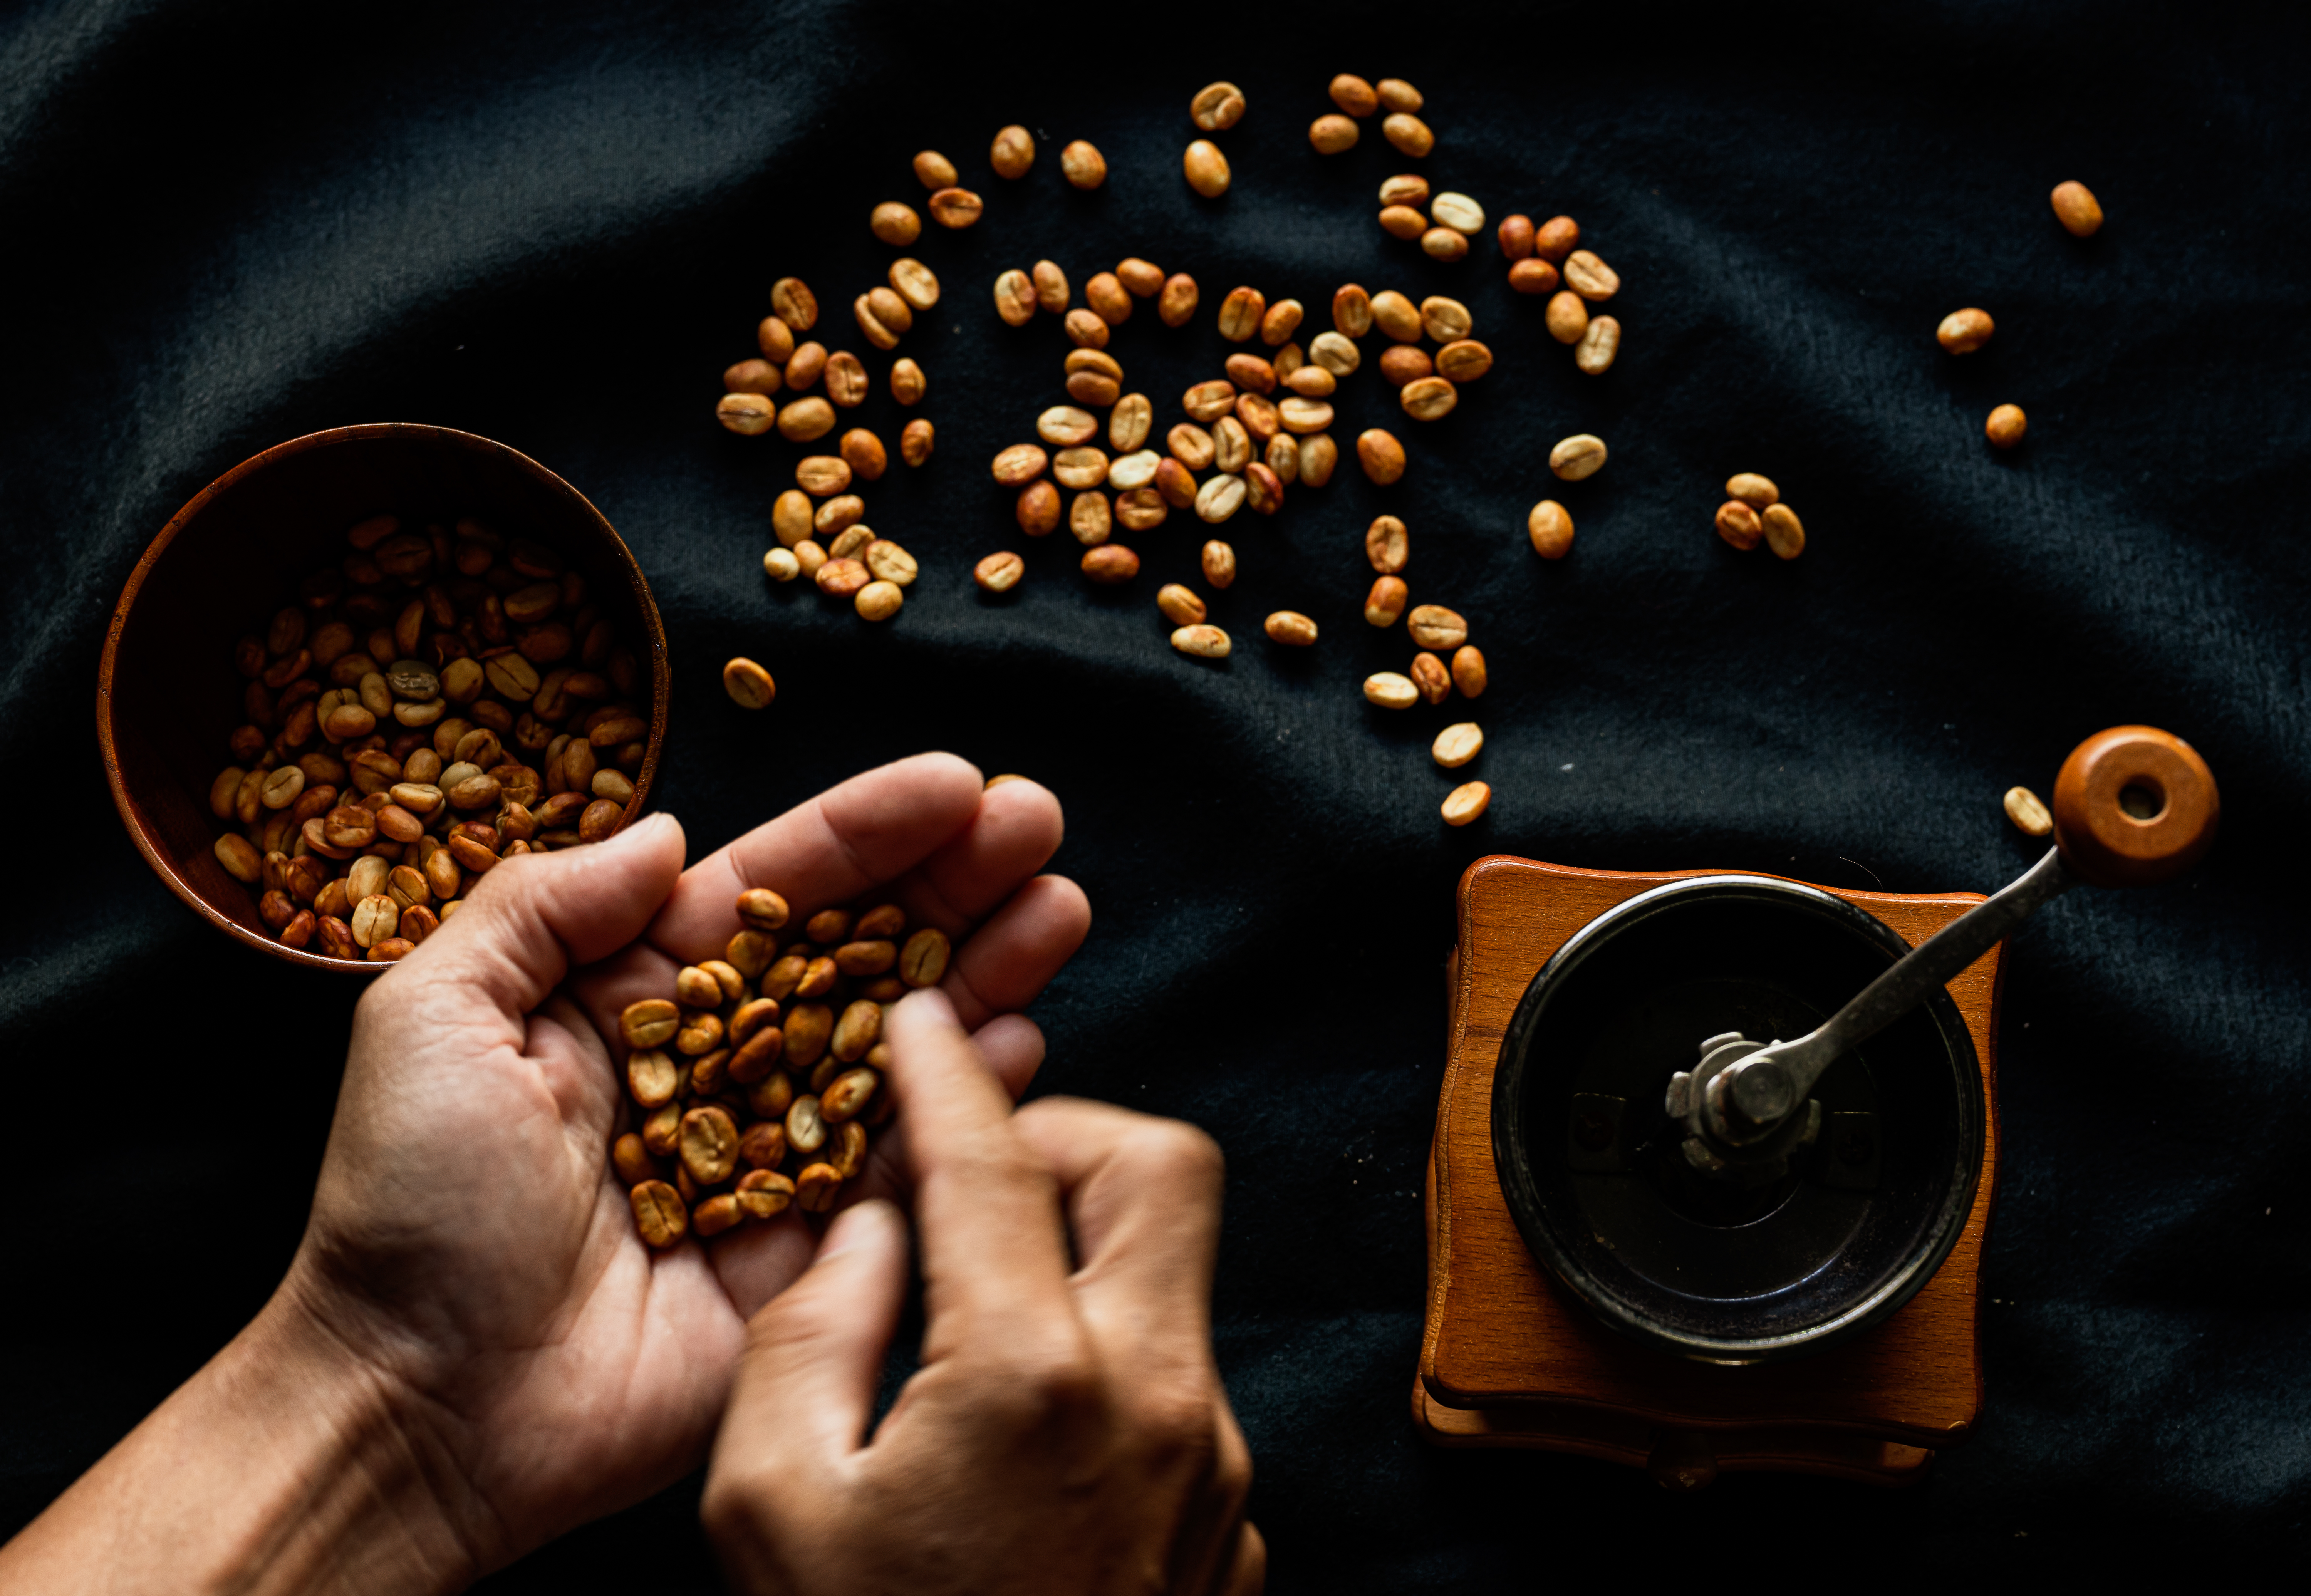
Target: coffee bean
x=1567 y=317
x=1127 y=425
x=999 y=574
x=1331 y=134
x=1432 y=626
x=1352 y=318
x=1290 y=626
x=1785 y=533
x=1176 y=304
x=1441 y=243
x=1387 y=544
x=1240 y=312
x=1384 y=605
x=1429 y=399
x=1179 y=605
x=1533 y=275
x=907 y=381
x=2023 y=807
x=915 y=284
x=1353 y=95
x=1205 y=641
x=915 y=442
x=1600 y=342
x=1408 y=134
x=1739 y=525
x=1577 y=457
x=660 y=1213
x=1465 y=803
x=1753 y=490
x=895 y=223
x=2081 y=214
x=1962 y=332
x=1217 y=106
x=956 y=207
x=1456 y=746
x=749 y=685
x=747 y=414
x=1207 y=169
x=1380 y=455
x=1391 y=690
x=1083 y=165
x=1013 y=152
x=1217 y=561
x=1404 y=363
x=1396 y=316
x=806 y=420
x=2004 y=429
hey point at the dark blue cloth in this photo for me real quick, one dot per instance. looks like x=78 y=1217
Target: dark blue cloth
x=227 y=225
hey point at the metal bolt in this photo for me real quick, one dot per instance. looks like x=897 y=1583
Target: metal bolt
x=1761 y=1093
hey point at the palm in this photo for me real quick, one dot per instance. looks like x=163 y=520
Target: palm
x=467 y=1200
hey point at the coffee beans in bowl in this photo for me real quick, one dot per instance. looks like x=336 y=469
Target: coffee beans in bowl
x=445 y=658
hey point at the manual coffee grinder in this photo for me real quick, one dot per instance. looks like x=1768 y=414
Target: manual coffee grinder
x=1662 y=1234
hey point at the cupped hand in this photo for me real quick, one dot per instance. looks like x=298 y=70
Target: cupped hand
x=468 y=1241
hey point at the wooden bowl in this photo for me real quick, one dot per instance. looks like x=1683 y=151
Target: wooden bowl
x=167 y=692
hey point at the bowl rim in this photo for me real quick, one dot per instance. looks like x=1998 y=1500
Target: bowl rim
x=129 y=811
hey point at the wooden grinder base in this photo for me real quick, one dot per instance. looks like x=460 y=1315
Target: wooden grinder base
x=1509 y=1358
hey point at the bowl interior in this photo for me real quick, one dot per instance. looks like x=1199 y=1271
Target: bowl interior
x=168 y=693
x=1594 y=1169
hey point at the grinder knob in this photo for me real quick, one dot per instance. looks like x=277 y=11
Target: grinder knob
x=2134 y=805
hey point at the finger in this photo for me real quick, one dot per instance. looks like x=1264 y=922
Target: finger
x=805 y=1389
x=1143 y=1201
x=1249 y=1576
x=1212 y=1536
x=986 y=1210
x=1014 y=955
x=756 y=1261
x=1013 y=834
x=1011 y=1047
x=533 y=917
x=869 y=830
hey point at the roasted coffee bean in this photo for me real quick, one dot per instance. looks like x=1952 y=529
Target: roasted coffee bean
x=1083 y=165
x=1391 y=690
x=1019 y=464
x=1962 y=332
x=999 y=572
x=1599 y=344
x=1432 y=626
x=2004 y=429
x=1207 y=169
x=1179 y=605
x=1468 y=671
x=915 y=442
x=907 y=384
x=1291 y=627
x=1567 y=317
x=1396 y=316
x=1466 y=802
x=753 y=376
x=1217 y=106
x=1013 y=152
x=1205 y=641
x=2023 y=806
x=1380 y=456
x=1038 y=508
x=1110 y=564
x=1739 y=525
x=1408 y=134
x=792 y=302
x=1429 y=677
x=956 y=207
x=895 y=223
x=1129 y=424
x=1785 y=533
x=805 y=1126
x=748 y=415
x=1331 y=134
x=1176 y=304
x=1217 y=561
x=1241 y=313
x=1441 y=243
x=1456 y=746
x=934 y=171
x=1402 y=364
x=1533 y=275
x=1578 y=456
x=1466 y=359
x=1550 y=529
x=1430 y=398
x=1279 y=321
x=1015 y=297
x=2081 y=214
x=708 y=1145
x=1384 y=605
x=1388 y=545
x=1755 y=491
x=659 y=1214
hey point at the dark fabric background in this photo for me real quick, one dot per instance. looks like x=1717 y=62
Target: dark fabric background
x=227 y=225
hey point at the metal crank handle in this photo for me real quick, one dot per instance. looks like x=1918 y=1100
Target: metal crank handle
x=2132 y=806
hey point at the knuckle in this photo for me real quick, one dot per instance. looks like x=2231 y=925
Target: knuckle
x=1179 y=1155
x=1175 y=1421
x=1044 y=1379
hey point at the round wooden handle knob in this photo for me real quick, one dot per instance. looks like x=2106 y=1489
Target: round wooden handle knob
x=2133 y=806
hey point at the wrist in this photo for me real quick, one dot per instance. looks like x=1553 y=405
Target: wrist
x=289 y=1462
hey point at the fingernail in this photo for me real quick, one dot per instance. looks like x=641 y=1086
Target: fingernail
x=649 y=825
x=850 y=1229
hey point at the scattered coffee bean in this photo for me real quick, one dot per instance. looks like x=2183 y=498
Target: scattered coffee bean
x=1384 y=605
x=1567 y=317
x=1456 y=746
x=1577 y=457
x=1466 y=803
x=1600 y=342
x=1432 y=626
x=895 y=223
x=1430 y=398
x=2006 y=425
x=1176 y=305
x=2081 y=214
x=1290 y=626
x=2024 y=809
x=1785 y=533
x=749 y=685
x=1738 y=524
x=1050 y=287
x=748 y=415
x=1388 y=545
x=1217 y=106
x=934 y=171
x=1468 y=671
x=1000 y=572
x=1962 y=332
x=1391 y=690
x=1207 y=169
x=1429 y=677
x=1533 y=275
x=1755 y=491
x=1408 y=134
x=1179 y=605
x=1353 y=95
x=1515 y=234
x=1206 y=642
x=1217 y=561
x=1380 y=455
x=956 y=207
x=915 y=442
x=1083 y=165
x=1014 y=153
x=1331 y=134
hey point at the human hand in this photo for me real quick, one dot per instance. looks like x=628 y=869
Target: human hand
x=1067 y=1431
x=469 y=1244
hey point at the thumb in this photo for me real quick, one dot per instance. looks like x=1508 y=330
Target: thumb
x=805 y=1385
x=535 y=916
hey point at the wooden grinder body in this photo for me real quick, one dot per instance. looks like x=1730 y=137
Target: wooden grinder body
x=1509 y=1358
